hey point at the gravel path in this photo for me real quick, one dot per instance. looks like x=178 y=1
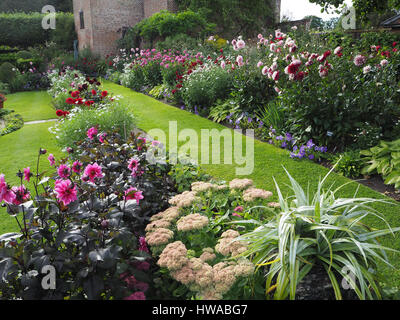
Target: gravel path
x=40 y=121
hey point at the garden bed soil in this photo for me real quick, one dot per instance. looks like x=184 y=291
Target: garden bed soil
x=374 y=182
x=317 y=286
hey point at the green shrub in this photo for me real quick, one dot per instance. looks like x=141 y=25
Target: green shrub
x=8 y=72
x=133 y=78
x=349 y=164
x=384 y=159
x=8 y=57
x=152 y=74
x=24 y=54
x=116 y=118
x=165 y=24
x=178 y=42
x=205 y=86
x=24 y=30
x=4 y=88
x=13 y=123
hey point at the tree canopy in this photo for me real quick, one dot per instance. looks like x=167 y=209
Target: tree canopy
x=34 y=5
x=234 y=17
x=363 y=7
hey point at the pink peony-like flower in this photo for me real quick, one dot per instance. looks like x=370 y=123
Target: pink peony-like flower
x=93 y=171
x=27 y=174
x=133 y=194
x=239 y=61
x=223 y=65
x=360 y=60
x=260 y=64
x=384 y=63
x=77 y=166
x=92 y=132
x=241 y=44
x=367 y=69
x=136 y=296
x=64 y=171
x=65 y=191
x=265 y=71
x=52 y=160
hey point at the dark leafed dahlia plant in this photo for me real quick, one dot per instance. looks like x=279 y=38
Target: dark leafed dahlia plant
x=86 y=221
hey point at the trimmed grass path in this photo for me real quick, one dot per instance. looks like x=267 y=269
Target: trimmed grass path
x=32 y=105
x=19 y=149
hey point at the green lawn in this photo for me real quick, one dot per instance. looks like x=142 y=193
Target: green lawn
x=20 y=148
x=32 y=106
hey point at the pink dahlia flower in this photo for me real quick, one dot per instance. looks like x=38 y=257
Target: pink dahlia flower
x=93 y=171
x=27 y=174
x=65 y=191
x=6 y=194
x=21 y=195
x=64 y=171
x=92 y=132
x=133 y=194
x=52 y=160
x=136 y=296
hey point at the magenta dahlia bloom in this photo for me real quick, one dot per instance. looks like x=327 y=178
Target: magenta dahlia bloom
x=65 y=191
x=92 y=132
x=27 y=174
x=64 y=171
x=102 y=137
x=6 y=194
x=133 y=194
x=77 y=167
x=93 y=171
x=133 y=164
x=136 y=296
x=52 y=160
x=21 y=195
x=360 y=60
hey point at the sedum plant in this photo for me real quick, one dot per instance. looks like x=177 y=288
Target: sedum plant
x=319 y=230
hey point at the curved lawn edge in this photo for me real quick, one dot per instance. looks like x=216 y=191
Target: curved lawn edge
x=269 y=163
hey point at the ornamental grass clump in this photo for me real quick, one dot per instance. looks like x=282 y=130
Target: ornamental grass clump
x=315 y=231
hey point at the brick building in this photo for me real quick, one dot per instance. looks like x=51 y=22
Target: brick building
x=99 y=23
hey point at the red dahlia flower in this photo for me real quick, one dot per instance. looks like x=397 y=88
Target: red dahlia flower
x=70 y=101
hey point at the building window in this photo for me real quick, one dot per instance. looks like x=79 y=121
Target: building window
x=82 y=19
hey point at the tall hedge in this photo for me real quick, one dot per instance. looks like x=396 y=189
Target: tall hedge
x=166 y=24
x=24 y=30
x=34 y=5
